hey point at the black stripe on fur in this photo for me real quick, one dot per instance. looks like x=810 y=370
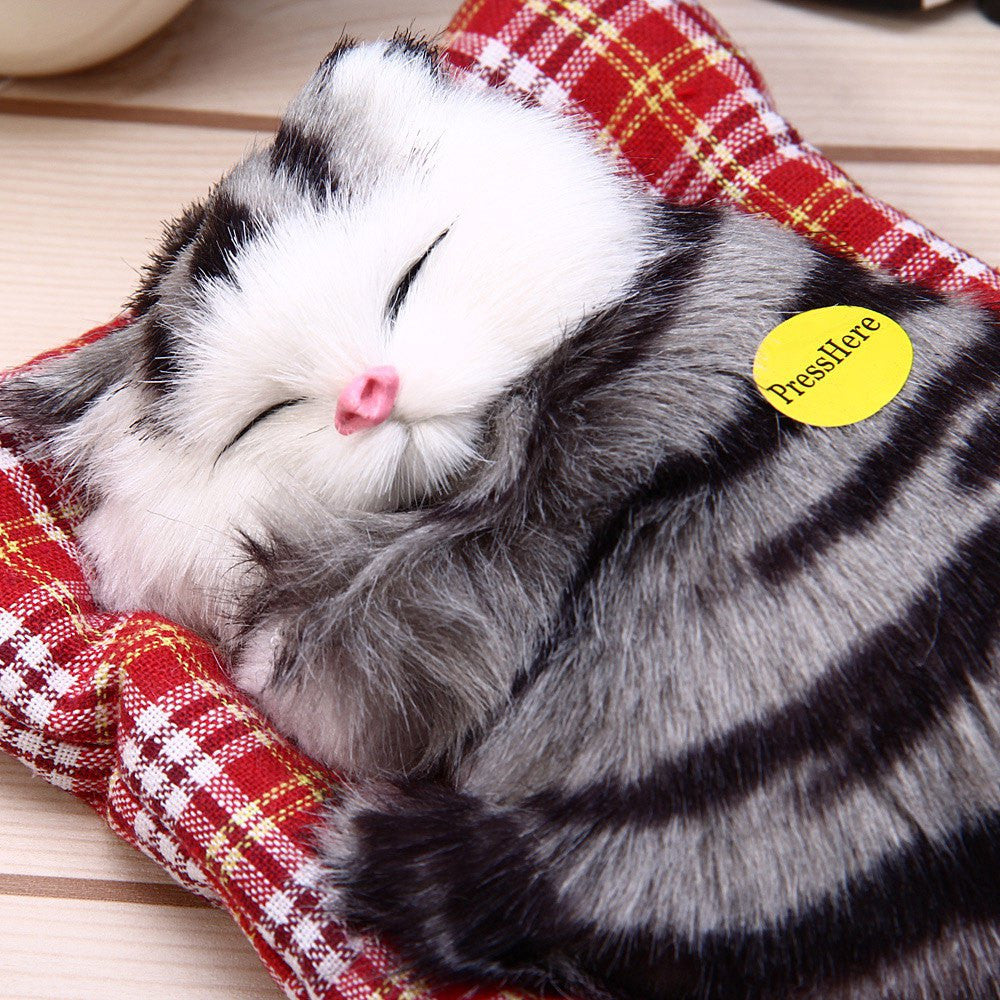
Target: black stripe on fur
x=977 y=460
x=305 y=158
x=413 y=861
x=745 y=443
x=416 y=46
x=450 y=883
x=621 y=336
x=177 y=236
x=162 y=353
x=607 y=347
x=880 y=474
x=834 y=281
x=865 y=712
x=228 y=226
x=345 y=44
x=905 y=901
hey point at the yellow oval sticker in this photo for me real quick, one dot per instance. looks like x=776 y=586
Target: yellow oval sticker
x=833 y=366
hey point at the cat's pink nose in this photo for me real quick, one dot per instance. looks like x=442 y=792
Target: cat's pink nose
x=367 y=400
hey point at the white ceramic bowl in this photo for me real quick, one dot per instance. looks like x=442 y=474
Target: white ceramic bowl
x=57 y=36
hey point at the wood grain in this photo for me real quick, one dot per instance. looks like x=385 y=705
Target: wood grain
x=46 y=832
x=247 y=56
x=86 y=950
x=849 y=77
x=844 y=77
x=99 y=890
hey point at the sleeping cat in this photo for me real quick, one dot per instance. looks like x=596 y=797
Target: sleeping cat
x=445 y=430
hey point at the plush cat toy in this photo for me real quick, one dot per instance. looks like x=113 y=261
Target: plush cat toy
x=445 y=431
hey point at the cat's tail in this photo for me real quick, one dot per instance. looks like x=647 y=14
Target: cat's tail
x=452 y=884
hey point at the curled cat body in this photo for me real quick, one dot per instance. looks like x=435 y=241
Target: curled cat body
x=444 y=429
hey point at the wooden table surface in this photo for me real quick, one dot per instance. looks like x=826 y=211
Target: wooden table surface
x=90 y=165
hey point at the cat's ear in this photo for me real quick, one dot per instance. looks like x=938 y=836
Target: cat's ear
x=403 y=42
x=417 y=46
x=177 y=236
x=53 y=396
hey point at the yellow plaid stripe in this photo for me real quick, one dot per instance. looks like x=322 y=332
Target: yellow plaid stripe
x=159 y=635
x=14 y=555
x=461 y=21
x=654 y=92
x=256 y=822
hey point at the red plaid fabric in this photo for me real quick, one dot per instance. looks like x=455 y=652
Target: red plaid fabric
x=137 y=717
x=662 y=85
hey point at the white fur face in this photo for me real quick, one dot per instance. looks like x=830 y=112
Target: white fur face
x=380 y=159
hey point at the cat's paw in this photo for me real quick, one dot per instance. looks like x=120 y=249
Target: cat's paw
x=339 y=848
x=305 y=705
x=253 y=666
x=345 y=854
x=444 y=877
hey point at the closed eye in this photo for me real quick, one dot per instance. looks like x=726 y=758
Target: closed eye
x=262 y=416
x=398 y=296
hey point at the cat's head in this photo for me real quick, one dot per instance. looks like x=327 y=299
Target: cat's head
x=338 y=314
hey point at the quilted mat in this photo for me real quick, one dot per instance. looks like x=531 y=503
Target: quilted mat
x=137 y=717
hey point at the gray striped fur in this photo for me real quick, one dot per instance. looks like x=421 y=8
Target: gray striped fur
x=682 y=645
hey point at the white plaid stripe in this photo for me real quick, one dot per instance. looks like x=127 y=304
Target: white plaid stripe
x=133 y=822
x=303 y=941
x=10 y=625
x=61 y=764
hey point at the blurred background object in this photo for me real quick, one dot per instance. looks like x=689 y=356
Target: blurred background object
x=991 y=8
x=57 y=36
x=895 y=4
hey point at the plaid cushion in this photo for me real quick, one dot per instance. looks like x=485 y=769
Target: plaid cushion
x=136 y=716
